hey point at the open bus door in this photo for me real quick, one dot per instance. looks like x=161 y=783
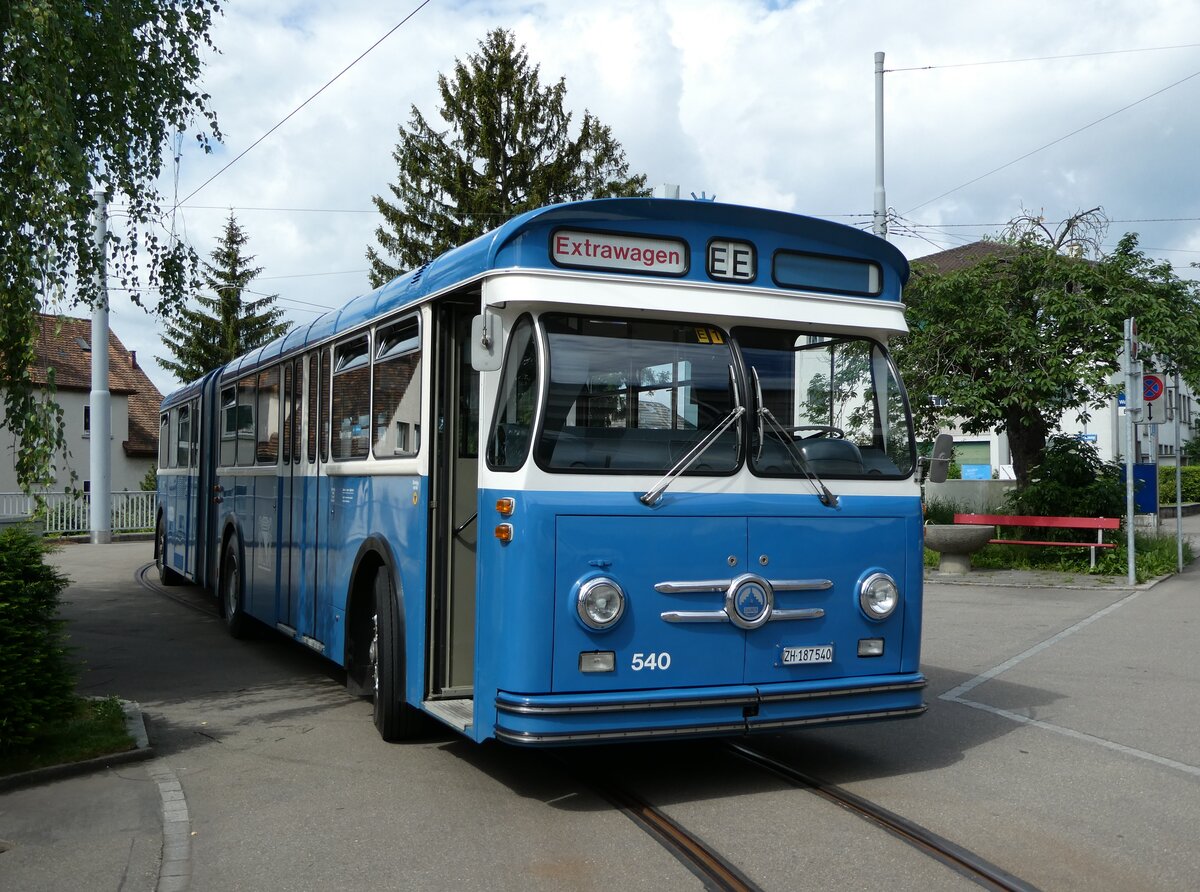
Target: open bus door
x=454 y=527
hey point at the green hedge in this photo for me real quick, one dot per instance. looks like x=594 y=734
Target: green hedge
x=36 y=679
x=1189 y=479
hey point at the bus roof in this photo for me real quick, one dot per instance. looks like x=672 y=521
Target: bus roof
x=524 y=243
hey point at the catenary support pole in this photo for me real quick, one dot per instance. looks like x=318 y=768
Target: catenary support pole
x=879 y=221
x=1178 y=479
x=100 y=401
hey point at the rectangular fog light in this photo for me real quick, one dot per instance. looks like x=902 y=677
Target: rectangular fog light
x=870 y=647
x=597 y=661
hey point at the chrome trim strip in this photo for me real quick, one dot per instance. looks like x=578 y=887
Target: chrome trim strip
x=632 y=734
x=695 y=616
x=527 y=737
x=684 y=703
x=870 y=689
x=318 y=646
x=910 y=712
x=688 y=588
x=632 y=706
x=720 y=585
x=286 y=629
x=806 y=613
x=802 y=585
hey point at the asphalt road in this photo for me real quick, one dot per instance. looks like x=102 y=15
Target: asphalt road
x=1061 y=744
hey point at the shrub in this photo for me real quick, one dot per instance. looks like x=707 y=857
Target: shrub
x=1070 y=481
x=36 y=679
x=943 y=510
x=1189 y=481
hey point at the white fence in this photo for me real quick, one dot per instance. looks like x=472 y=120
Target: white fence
x=64 y=514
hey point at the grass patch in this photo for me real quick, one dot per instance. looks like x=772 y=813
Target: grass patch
x=1156 y=556
x=96 y=728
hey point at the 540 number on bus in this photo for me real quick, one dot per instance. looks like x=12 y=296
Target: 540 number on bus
x=650 y=661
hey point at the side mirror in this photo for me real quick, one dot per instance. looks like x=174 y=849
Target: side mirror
x=939 y=460
x=485 y=349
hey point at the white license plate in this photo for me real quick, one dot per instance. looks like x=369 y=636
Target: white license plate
x=795 y=656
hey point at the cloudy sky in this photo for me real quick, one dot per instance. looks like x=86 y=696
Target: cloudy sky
x=991 y=108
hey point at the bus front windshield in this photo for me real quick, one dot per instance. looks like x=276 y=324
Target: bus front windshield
x=634 y=396
x=829 y=405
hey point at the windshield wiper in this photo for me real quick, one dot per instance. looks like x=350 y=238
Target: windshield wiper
x=652 y=496
x=764 y=414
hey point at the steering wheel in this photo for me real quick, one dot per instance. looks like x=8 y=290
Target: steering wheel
x=823 y=430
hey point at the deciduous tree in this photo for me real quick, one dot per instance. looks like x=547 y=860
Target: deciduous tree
x=89 y=94
x=224 y=324
x=507 y=148
x=1033 y=332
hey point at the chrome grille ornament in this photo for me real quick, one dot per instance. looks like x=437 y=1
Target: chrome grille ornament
x=749 y=601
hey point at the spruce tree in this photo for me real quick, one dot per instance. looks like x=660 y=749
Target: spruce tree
x=507 y=149
x=224 y=324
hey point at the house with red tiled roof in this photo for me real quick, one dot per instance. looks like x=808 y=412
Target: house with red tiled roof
x=64 y=345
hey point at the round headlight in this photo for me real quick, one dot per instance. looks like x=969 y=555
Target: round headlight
x=878 y=596
x=601 y=603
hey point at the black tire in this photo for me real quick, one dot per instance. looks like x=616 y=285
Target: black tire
x=166 y=575
x=394 y=717
x=236 y=621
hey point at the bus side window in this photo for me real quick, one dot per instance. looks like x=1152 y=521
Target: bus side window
x=310 y=375
x=228 y=424
x=164 y=439
x=323 y=407
x=266 y=446
x=351 y=400
x=511 y=432
x=194 y=442
x=397 y=390
x=244 y=419
x=287 y=413
x=183 y=438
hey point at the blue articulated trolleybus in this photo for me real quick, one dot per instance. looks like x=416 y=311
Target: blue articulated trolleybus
x=619 y=469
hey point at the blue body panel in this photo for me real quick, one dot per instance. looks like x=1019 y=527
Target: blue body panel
x=526 y=595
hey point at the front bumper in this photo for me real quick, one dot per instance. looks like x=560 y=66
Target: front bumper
x=556 y=719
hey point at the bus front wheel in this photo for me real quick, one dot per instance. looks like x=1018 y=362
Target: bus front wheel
x=394 y=717
x=236 y=621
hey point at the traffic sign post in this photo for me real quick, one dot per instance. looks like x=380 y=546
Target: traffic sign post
x=1133 y=411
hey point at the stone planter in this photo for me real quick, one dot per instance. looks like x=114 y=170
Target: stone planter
x=956 y=543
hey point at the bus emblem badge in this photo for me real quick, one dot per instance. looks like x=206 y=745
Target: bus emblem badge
x=749 y=602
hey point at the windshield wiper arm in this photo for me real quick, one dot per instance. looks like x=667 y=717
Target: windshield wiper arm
x=652 y=496
x=827 y=498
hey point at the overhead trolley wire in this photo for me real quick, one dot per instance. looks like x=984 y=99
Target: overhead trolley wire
x=1054 y=142
x=294 y=111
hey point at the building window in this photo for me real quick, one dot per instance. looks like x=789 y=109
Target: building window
x=87 y=421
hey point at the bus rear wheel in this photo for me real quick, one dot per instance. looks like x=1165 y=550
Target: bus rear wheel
x=236 y=621
x=394 y=717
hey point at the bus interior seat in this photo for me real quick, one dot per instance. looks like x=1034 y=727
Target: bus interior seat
x=832 y=457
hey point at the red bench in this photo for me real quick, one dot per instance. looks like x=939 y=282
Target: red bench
x=1099 y=524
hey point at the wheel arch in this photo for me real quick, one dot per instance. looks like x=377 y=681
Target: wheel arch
x=374 y=554
x=230 y=531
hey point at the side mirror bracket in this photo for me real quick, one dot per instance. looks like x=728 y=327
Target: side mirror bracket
x=486 y=355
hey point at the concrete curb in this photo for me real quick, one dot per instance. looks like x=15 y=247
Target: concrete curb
x=135 y=724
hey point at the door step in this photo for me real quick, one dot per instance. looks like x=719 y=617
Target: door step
x=458 y=714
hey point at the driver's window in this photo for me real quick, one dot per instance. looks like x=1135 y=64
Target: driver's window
x=508 y=445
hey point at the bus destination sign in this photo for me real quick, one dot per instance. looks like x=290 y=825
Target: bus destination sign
x=601 y=250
